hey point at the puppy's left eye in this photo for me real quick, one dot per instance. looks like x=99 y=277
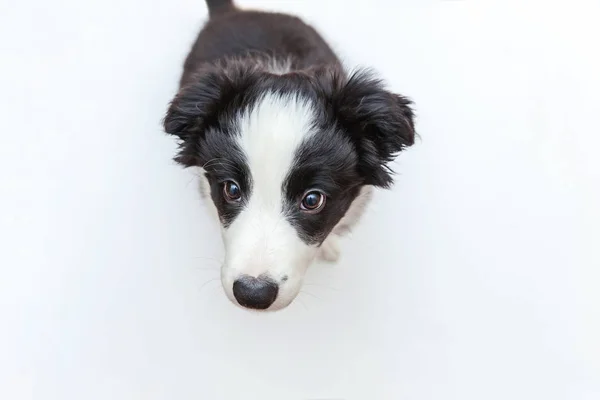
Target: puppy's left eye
x=313 y=201
x=232 y=192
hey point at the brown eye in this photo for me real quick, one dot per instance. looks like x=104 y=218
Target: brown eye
x=232 y=191
x=313 y=201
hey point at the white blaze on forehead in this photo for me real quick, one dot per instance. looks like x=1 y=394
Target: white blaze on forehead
x=260 y=239
x=270 y=133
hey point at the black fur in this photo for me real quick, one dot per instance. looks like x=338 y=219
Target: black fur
x=242 y=33
x=216 y=7
x=327 y=162
x=377 y=122
x=362 y=125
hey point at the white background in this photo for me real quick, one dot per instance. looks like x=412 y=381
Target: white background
x=476 y=277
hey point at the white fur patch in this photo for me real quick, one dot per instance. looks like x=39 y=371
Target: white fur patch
x=260 y=240
x=330 y=249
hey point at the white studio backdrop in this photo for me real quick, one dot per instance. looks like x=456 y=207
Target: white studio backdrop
x=476 y=277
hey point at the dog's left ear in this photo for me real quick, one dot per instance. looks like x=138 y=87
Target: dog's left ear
x=379 y=122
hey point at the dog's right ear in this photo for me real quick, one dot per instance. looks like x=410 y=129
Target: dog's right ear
x=198 y=105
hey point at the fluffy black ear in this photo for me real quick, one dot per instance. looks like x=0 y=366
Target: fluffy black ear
x=379 y=122
x=198 y=106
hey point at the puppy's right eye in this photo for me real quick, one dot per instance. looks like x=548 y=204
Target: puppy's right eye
x=313 y=202
x=232 y=192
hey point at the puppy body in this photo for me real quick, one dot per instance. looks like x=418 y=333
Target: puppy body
x=272 y=42
x=289 y=145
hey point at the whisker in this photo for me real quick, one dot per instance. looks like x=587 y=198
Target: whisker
x=302 y=302
x=217 y=260
x=310 y=294
x=192 y=180
x=216 y=264
x=216 y=269
x=207 y=282
x=221 y=161
x=323 y=286
x=206 y=164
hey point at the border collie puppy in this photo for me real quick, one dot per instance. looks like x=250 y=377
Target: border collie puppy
x=288 y=143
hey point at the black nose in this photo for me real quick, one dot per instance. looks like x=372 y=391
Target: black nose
x=258 y=293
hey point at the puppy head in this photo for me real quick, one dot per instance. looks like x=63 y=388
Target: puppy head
x=283 y=159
